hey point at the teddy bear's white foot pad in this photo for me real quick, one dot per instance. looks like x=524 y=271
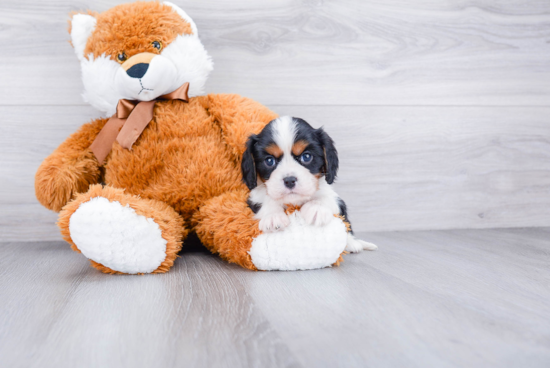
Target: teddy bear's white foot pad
x=117 y=237
x=299 y=246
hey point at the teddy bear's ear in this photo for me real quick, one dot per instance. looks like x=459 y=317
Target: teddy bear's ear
x=81 y=27
x=185 y=17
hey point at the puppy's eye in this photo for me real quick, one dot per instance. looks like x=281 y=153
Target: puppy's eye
x=157 y=45
x=306 y=157
x=121 y=57
x=270 y=161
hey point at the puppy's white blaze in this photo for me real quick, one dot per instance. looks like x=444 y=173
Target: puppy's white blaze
x=284 y=134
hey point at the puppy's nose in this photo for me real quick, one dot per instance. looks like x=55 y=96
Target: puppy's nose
x=138 y=70
x=290 y=182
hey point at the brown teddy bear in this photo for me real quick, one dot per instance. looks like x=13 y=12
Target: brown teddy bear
x=131 y=187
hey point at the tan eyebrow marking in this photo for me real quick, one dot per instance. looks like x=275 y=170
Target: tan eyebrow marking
x=274 y=150
x=299 y=147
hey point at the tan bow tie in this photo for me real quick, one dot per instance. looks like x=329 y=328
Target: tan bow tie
x=132 y=117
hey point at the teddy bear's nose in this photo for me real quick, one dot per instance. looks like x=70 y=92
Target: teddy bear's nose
x=138 y=70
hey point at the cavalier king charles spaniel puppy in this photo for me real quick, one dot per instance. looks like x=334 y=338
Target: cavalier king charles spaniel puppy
x=290 y=162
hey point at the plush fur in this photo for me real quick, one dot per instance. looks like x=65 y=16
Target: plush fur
x=130 y=30
x=169 y=221
x=183 y=172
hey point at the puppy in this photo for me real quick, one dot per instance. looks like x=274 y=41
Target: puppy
x=290 y=162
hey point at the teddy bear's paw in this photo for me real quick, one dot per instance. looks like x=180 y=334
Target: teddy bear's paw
x=117 y=237
x=316 y=214
x=299 y=246
x=274 y=222
x=355 y=245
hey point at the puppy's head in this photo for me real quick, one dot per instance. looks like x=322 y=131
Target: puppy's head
x=290 y=157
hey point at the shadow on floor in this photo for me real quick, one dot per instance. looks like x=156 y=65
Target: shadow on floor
x=193 y=245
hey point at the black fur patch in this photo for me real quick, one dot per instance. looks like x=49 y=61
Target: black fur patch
x=255 y=207
x=344 y=213
x=305 y=132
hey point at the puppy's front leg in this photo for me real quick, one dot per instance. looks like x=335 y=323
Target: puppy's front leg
x=272 y=216
x=317 y=212
x=322 y=207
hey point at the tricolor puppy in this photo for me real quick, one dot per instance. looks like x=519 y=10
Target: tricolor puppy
x=289 y=162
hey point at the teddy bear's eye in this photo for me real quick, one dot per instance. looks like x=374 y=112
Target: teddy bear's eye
x=121 y=57
x=157 y=45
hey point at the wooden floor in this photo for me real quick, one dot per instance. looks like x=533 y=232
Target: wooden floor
x=457 y=298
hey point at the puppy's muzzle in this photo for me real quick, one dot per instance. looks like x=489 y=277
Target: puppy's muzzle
x=137 y=65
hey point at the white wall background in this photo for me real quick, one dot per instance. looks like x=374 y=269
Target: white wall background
x=440 y=108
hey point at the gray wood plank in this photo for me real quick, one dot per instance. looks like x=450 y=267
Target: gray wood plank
x=30 y=136
x=412 y=168
x=401 y=167
x=344 y=52
x=461 y=298
x=455 y=298
x=57 y=311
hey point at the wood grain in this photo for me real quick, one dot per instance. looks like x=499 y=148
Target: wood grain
x=57 y=311
x=347 y=52
x=401 y=167
x=440 y=112
x=412 y=168
x=432 y=104
x=460 y=298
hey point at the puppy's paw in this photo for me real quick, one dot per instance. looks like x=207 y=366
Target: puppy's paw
x=274 y=222
x=316 y=214
x=355 y=245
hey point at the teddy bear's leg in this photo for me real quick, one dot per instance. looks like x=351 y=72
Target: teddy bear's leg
x=122 y=233
x=226 y=226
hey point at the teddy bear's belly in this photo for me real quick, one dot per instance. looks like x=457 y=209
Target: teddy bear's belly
x=182 y=171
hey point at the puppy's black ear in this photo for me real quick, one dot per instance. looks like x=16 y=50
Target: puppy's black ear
x=248 y=166
x=331 y=155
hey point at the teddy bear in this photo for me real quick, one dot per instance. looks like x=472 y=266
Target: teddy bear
x=165 y=159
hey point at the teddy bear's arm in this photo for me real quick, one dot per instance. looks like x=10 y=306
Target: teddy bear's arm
x=70 y=169
x=239 y=117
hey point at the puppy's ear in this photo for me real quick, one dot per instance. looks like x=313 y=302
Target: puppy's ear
x=248 y=166
x=331 y=155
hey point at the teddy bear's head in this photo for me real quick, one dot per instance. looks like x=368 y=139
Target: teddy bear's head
x=138 y=51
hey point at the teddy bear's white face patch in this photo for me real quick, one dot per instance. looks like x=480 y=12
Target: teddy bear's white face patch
x=106 y=81
x=147 y=81
x=98 y=77
x=193 y=64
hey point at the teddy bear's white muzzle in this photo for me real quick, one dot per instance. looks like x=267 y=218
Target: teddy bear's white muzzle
x=147 y=81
